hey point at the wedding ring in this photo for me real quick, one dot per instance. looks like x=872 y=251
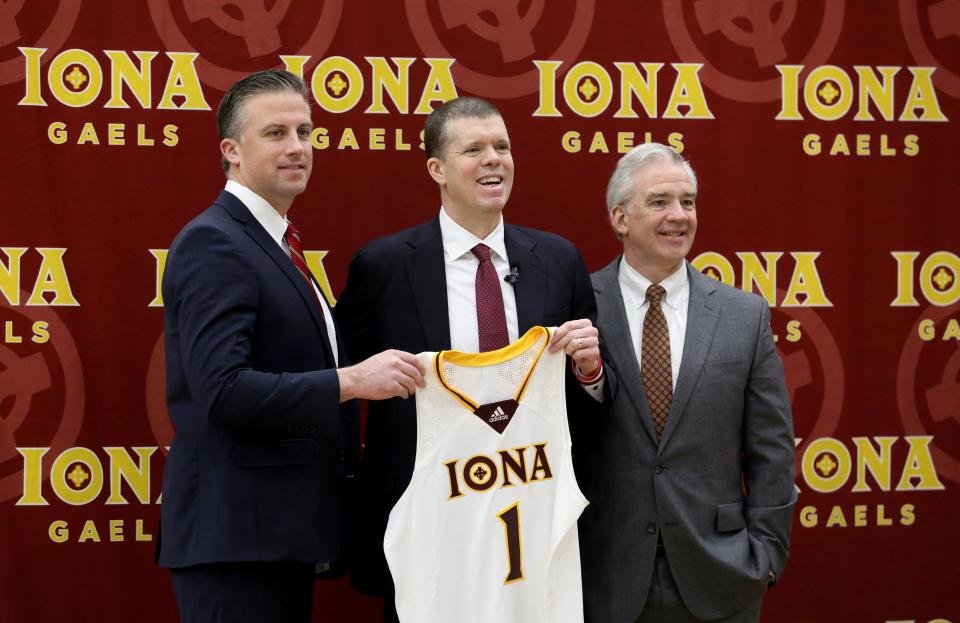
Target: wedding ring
x=579 y=343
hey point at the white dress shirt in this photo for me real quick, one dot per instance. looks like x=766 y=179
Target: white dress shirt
x=634 y=286
x=460 y=266
x=276 y=226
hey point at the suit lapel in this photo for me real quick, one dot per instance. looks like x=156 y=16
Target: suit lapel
x=616 y=337
x=269 y=246
x=702 y=316
x=428 y=282
x=530 y=289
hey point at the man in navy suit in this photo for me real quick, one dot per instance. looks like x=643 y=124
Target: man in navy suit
x=265 y=425
x=415 y=291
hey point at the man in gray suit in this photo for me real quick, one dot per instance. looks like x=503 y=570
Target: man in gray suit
x=691 y=476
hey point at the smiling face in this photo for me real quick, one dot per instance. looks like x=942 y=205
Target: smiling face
x=659 y=223
x=272 y=156
x=475 y=172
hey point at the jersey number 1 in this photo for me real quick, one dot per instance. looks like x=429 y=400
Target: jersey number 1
x=510 y=517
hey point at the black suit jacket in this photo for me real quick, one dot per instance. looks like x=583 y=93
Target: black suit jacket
x=396 y=297
x=256 y=468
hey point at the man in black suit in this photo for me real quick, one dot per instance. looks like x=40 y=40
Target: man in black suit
x=264 y=429
x=416 y=291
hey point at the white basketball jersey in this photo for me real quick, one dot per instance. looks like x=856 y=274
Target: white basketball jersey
x=487 y=529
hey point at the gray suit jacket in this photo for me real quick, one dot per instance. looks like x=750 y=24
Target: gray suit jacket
x=719 y=488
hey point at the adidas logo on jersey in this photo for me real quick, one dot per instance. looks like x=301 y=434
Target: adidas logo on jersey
x=498 y=415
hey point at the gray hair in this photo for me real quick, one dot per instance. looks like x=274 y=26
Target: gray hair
x=230 y=112
x=620 y=187
x=435 y=136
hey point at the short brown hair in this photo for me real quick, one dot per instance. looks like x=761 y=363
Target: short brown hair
x=435 y=136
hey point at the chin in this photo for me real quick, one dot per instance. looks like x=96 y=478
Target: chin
x=494 y=206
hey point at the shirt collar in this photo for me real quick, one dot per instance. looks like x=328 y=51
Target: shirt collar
x=261 y=210
x=457 y=241
x=636 y=284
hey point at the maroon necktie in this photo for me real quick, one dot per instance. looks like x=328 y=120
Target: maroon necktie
x=655 y=360
x=491 y=319
x=292 y=238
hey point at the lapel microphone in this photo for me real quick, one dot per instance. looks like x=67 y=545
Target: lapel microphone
x=513 y=277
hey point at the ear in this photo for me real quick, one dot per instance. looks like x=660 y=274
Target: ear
x=230 y=149
x=618 y=219
x=435 y=169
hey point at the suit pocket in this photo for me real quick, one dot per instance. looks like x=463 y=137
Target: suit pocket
x=727 y=365
x=730 y=517
x=275 y=453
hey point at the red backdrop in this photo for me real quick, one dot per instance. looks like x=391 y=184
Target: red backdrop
x=824 y=134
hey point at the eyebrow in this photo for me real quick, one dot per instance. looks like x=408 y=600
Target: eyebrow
x=479 y=141
x=281 y=126
x=661 y=195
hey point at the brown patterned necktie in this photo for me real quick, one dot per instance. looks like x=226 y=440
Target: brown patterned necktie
x=491 y=317
x=655 y=360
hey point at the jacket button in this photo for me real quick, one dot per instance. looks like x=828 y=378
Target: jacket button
x=658 y=469
x=652 y=528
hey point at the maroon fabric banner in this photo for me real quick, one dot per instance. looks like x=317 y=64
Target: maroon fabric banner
x=824 y=134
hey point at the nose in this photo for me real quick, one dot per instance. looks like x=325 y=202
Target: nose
x=491 y=156
x=295 y=144
x=675 y=211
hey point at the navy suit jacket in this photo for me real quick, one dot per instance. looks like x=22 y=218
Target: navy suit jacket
x=396 y=297
x=256 y=468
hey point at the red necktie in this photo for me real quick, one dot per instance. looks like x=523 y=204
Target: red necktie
x=292 y=238
x=491 y=319
x=655 y=360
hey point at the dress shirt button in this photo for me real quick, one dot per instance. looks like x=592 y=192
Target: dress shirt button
x=658 y=469
x=652 y=528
